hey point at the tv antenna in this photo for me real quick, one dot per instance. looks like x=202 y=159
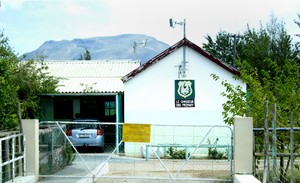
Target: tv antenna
x=182 y=68
x=139 y=44
x=173 y=24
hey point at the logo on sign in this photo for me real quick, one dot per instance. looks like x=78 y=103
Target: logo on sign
x=185 y=88
x=184 y=93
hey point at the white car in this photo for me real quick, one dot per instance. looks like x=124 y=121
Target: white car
x=86 y=135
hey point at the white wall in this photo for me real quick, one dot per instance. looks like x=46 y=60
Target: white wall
x=150 y=95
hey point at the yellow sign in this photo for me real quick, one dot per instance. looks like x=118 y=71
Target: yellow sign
x=136 y=132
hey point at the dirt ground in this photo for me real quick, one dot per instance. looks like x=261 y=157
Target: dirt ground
x=135 y=170
x=168 y=171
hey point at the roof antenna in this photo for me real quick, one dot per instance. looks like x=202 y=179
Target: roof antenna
x=136 y=45
x=182 y=68
x=173 y=23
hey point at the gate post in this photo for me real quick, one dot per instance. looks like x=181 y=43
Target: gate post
x=31 y=134
x=243 y=145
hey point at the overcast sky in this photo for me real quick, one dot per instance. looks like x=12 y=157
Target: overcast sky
x=28 y=24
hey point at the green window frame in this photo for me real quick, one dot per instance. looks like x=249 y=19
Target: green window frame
x=110 y=108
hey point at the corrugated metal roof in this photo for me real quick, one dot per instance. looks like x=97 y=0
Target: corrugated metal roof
x=96 y=76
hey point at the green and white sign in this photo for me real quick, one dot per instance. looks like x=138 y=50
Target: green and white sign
x=184 y=93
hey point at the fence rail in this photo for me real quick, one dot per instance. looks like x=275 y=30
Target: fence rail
x=12 y=157
x=276 y=149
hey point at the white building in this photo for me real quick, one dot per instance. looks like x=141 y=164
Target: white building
x=176 y=88
x=151 y=88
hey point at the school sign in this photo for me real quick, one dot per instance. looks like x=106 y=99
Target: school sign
x=184 y=93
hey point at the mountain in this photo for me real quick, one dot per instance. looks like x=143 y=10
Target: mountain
x=105 y=47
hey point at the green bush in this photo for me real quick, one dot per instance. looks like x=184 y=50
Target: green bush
x=68 y=155
x=176 y=154
x=213 y=153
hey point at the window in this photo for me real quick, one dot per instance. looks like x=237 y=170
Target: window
x=110 y=108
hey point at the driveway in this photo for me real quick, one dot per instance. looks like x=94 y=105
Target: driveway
x=121 y=169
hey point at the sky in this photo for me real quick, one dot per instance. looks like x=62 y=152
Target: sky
x=29 y=23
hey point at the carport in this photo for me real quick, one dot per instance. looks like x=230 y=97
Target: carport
x=88 y=89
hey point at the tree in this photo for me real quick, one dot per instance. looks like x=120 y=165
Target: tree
x=226 y=47
x=86 y=55
x=298 y=23
x=269 y=64
x=21 y=83
x=255 y=46
x=33 y=80
x=8 y=65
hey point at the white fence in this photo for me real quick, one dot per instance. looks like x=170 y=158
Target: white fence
x=12 y=157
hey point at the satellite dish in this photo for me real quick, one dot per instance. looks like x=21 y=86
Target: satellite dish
x=171 y=22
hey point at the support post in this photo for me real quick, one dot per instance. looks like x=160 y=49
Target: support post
x=119 y=115
x=266 y=151
x=292 y=148
x=243 y=145
x=31 y=134
x=274 y=146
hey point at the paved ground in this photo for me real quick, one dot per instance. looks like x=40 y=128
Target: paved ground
x=120 y=169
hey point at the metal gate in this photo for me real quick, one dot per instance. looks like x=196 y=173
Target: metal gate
x=175 y=152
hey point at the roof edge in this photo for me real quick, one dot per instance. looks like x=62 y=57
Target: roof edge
x=171 y=49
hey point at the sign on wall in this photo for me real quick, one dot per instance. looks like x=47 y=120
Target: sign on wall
x=136 y=132
x=184 y=93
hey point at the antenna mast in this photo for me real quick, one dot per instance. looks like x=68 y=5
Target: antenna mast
x=182 y=68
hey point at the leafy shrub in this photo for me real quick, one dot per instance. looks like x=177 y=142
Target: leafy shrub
x=68 y=155
x=213 y=153
x=176 y=154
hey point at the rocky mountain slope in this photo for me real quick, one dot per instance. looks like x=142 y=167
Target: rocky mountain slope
x=105 y=47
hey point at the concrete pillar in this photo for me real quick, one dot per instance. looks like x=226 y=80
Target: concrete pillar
x=243 y=145
x=31 y=133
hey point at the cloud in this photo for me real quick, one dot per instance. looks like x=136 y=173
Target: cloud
x=14 y=4
x=68 y=19
x=74 y=8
